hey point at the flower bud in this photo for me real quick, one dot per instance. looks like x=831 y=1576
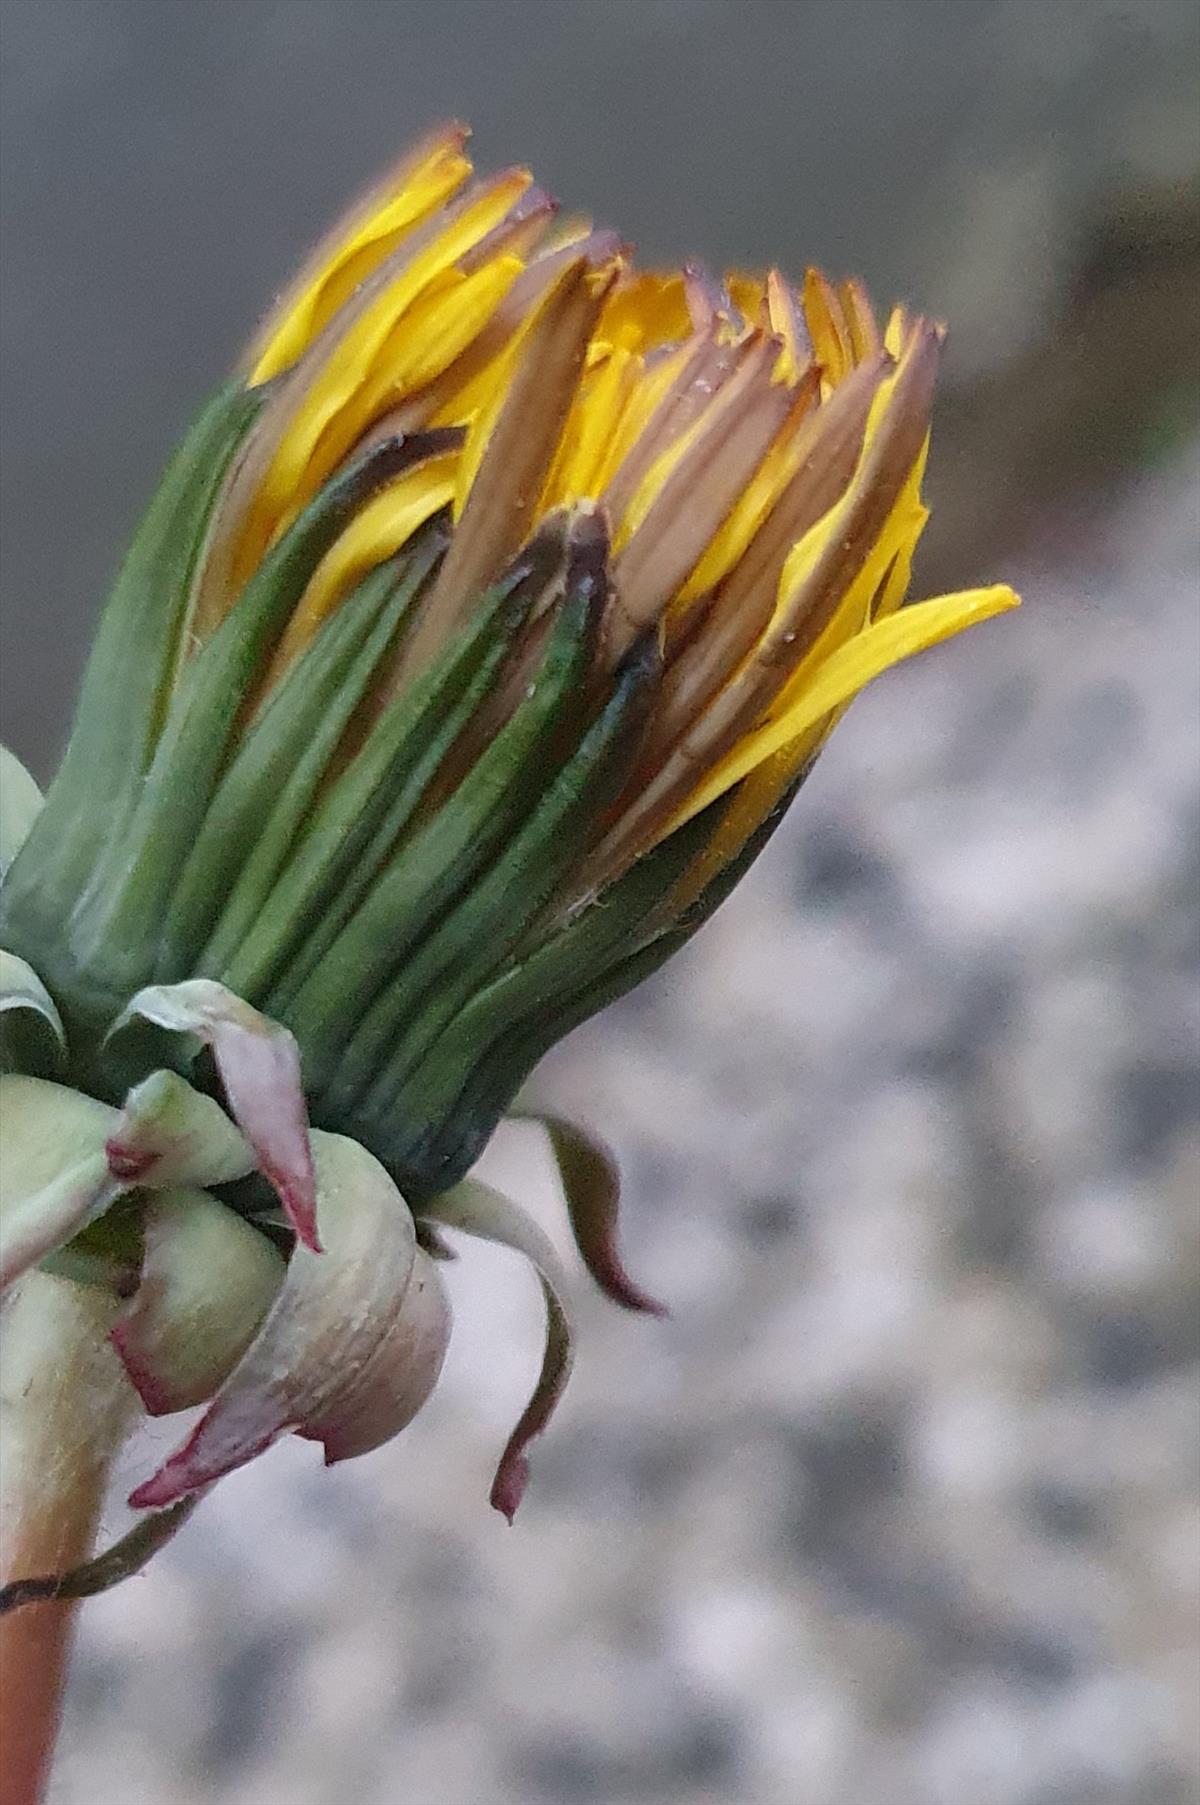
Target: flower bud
x=481 y=628
x=480 y=632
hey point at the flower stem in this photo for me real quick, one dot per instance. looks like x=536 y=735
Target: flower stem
x=65 y=1407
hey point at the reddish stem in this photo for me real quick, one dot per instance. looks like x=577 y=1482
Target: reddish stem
x=35 y=1644
x=64 y=1408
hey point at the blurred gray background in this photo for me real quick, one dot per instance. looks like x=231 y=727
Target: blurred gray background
x=900 y=1505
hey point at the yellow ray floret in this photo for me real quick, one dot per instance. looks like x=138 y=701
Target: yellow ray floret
x=380 y=340
x=422 y=182
x=751 y=452
x=377 y=533
x=843 y=674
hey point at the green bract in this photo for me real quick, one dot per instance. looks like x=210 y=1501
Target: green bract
x=377 y=873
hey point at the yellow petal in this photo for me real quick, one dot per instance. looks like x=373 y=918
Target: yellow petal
x=583 y=459
x=430 y=275
x=898 y=328
x=844 y=673
x=887 y=423
x=894 y=588
x=748 y=293
x=424 y=181
x=861 y=323
x=645 y=310
x=787 y=323
x=377 y=531
x=832 y=345
x=436 y=329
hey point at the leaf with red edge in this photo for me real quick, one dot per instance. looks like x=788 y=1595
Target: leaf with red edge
x=591 y=1184
x=170 y=1134
x=398 y=1378
x=477 y=1209
x=259 y=1065
x=207 y=1281
x=318 y=1364
x=68 y=1157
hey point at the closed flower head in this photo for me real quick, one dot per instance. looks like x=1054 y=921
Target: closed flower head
x=481 y=630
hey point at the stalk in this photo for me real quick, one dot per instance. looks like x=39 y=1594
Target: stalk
x=65 y=1408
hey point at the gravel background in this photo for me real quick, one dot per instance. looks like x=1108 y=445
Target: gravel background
x=900 y=1506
